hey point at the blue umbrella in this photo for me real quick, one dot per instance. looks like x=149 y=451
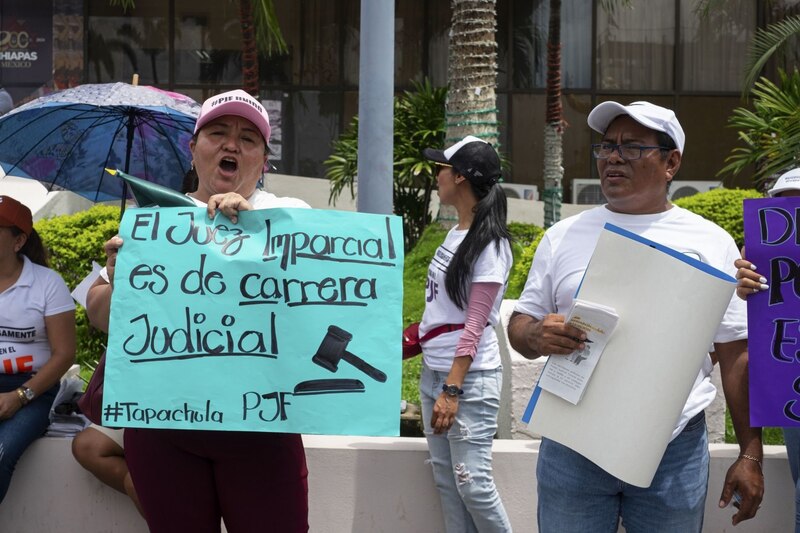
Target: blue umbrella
x=66 y=140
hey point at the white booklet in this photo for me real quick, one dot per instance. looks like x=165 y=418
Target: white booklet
x=567 y=376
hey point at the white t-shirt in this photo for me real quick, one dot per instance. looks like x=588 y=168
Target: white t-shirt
x=564 y=252
x=266 y=200
x=38 y=293
x=492 y=266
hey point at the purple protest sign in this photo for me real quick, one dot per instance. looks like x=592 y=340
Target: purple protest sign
x=772 y=242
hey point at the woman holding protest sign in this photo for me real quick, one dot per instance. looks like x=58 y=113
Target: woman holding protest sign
x=751 y=282
x=461 y=376
x=189 y=480
x=37 y=335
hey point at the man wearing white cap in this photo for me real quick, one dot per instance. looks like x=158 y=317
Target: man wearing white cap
x=638 y=156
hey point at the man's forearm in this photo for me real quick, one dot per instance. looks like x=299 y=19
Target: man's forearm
x=520 y=331
x=733 y=363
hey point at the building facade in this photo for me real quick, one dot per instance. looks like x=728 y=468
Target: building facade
x=664 y=51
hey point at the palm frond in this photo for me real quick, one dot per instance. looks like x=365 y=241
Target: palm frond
x=124 y=4
x=703 y=8
x=610 y=6
x=770 y=131
x=765 y=43
x=268 y=31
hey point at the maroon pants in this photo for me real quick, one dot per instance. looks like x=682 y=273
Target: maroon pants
x=188 y=480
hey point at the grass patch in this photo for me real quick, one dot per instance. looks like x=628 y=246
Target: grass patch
x=769 y=435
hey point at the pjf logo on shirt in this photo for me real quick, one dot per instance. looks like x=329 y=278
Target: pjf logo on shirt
x=15 y=364
x=431 y=289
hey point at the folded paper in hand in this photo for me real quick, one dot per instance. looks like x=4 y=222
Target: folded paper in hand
x=568 y=376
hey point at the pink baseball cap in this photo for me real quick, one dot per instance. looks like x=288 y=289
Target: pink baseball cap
x=237 y=103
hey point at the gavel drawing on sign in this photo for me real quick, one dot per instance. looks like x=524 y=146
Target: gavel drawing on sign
x=333 y=348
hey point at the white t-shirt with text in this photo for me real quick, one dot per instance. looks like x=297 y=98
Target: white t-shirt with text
x=491 y=266
x=38 y=293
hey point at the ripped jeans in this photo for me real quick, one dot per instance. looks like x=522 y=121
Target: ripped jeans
x=462 y=458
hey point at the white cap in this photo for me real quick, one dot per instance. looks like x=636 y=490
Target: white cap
x=649 y=115
x=788 y=181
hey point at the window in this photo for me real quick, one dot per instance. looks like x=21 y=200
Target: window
x=714 y=46
x=312 y=32
x=788 y=56
x=636 y=46
x=530 y=29
x=122 y=44
x=208 y=42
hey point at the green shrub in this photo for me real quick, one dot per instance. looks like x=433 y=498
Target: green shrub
x=522 y=261
x=723 y=207
x=523 y=234
x=74 y=241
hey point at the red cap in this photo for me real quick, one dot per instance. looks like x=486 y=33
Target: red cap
x=15 y=214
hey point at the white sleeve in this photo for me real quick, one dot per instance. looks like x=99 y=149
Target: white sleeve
x=734 y=323
x=57 y=296
x=538 y=298
x=493 y=265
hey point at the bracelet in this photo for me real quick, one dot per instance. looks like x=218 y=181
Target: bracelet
x=22 y=399
x=751 y=458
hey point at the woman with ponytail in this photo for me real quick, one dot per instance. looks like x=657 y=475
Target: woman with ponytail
x=461 y=376
x=37 y=335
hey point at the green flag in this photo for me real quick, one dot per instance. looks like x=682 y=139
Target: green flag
x=149 y=194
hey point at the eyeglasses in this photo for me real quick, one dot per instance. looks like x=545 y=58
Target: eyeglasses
x=628 y=152
x=440 y=166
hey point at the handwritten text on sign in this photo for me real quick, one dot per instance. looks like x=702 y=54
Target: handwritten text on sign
x=283 y=322
x=772 y=242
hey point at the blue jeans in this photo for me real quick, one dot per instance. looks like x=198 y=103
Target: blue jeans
x=575 y=495
x=462 y=458
x=18 y=432
x=792 y=438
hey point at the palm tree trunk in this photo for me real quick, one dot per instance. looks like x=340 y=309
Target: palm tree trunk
x=249 y=50
x=471 y=107
x=472 y=71
x=554 y=122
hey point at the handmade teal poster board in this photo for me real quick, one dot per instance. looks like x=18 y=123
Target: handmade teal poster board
x=288 y=321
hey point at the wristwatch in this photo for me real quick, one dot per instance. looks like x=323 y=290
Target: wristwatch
x=452 y=390
x=26 y=395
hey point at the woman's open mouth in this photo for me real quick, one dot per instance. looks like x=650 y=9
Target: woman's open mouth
x=228 y=165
